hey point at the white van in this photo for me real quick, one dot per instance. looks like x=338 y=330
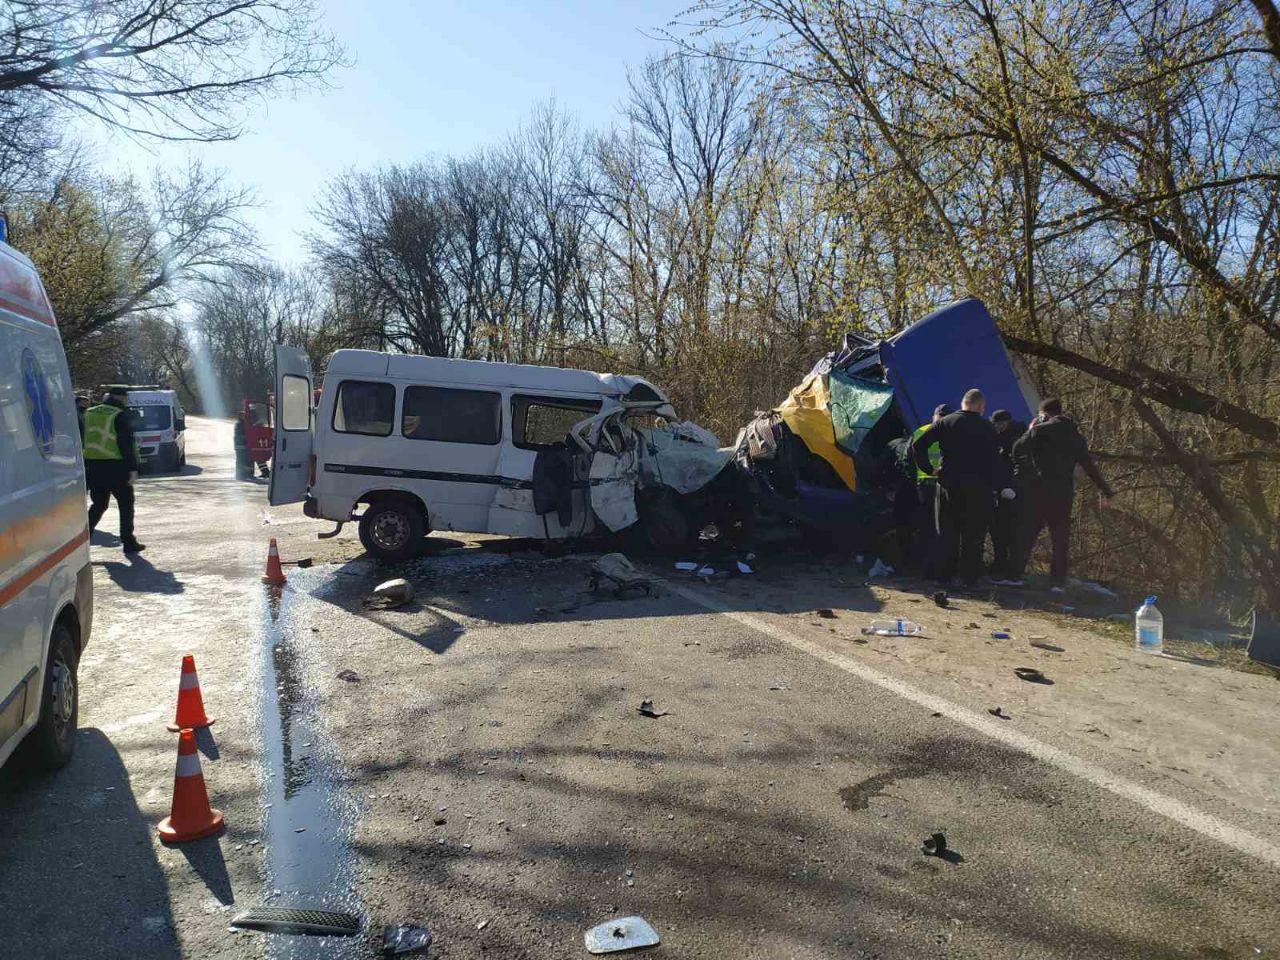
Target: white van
x=159 y=424
x=465 y=445
x=46 y=583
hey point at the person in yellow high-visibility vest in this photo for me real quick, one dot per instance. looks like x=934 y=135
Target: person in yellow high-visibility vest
x=111 y=463
x=926 y=497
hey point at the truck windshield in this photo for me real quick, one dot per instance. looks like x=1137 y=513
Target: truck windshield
x=151 y=418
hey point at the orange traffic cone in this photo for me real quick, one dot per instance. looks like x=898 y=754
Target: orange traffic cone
x=190 y=713
x=190 y=817
x=275 y=573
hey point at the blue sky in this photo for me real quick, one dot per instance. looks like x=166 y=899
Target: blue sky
x=429 y=77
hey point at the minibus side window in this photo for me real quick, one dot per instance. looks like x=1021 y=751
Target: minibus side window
x=542 y=423
x=452 y=416
x=364 y=407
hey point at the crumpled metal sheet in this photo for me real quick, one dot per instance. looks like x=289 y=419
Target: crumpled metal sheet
x=625 y=933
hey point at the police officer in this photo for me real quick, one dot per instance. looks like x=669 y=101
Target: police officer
x=967 y=480
x=1007 y=523
x=925 y=518
x=111 y=463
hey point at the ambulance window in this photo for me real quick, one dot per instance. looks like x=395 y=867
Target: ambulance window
x=365 y=408
x=452 y=416
x=542 y=423
x=295 y=405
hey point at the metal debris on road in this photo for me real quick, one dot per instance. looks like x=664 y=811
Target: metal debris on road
x=935 y=845
x=349 y=675
x=482 y=924
x=1032 y=675
x=404 y=938
x=1001 y=635
x=391 y=593
x=1052 y=648
x=626 y=933
x=999 y=714
x=315 y=923
x=647 y=709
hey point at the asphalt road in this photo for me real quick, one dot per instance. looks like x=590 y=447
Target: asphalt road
x=476 y=762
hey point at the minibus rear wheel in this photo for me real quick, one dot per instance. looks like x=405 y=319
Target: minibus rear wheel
x=392 y=529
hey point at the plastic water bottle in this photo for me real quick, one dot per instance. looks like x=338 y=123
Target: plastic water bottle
x=1148 y=633
x=893 y=628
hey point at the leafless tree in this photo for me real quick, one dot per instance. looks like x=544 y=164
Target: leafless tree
x=178 y=69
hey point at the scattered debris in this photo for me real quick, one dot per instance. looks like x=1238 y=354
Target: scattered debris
x=935 y=845
x=940 y=598
x=1089 y=586
x=972 y=626
x=404 y=938
x=390 y=593
x=743 y=569
x=647 y=709
x=316 y=923
x=1052 y=648
x=482 y=924
x=1032 y=675
x=880 y=569
x=349 y=675
x=439 y=821
x=302 y=564
x=687 y=565
x=826 y=613
x=625 y=933
x=622 y=573
x=893 y=628
x=999 y=714
x=1001 y=635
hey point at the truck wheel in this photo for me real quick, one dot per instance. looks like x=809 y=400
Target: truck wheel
x=53 y=740
x=392 y=530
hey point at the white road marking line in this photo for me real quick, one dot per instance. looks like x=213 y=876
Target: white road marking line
x=1177 y=811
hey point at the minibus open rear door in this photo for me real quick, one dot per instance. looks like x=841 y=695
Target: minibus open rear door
x=291 y=464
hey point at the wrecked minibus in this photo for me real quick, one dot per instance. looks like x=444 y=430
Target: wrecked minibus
x=823 y=457
x=409 y=444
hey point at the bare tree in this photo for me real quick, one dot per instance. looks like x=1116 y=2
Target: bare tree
x=178 y=69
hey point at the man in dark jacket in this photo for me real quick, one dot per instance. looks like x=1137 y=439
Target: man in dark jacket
x=1007 y=524
x=111 y=463
x=967 y=481
x=1047 y=456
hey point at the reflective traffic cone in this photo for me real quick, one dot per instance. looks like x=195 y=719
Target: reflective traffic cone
x=190 y=817
x=275 y=573
x=190 y=713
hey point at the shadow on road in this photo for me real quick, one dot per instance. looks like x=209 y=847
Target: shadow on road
x=206 y=744
x=100 y=538
x=107 y=897
x=139 y=575
x=206 y=860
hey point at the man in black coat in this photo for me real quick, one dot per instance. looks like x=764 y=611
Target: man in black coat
x=967 y=480
x=1007 y=524
x=1047 y=456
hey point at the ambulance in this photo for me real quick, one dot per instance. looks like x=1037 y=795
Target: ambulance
x=159 y=425
x=46 y=582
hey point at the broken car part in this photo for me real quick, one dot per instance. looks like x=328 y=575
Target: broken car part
x=404 y=939
x=647 y=709
x=999 y=714
x=315 y=923
x=1032 y=675
x=625 y=933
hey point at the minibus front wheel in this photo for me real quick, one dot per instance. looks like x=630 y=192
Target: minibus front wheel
x=392 y=529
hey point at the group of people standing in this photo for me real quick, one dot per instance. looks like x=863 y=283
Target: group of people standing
x=967 y=476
